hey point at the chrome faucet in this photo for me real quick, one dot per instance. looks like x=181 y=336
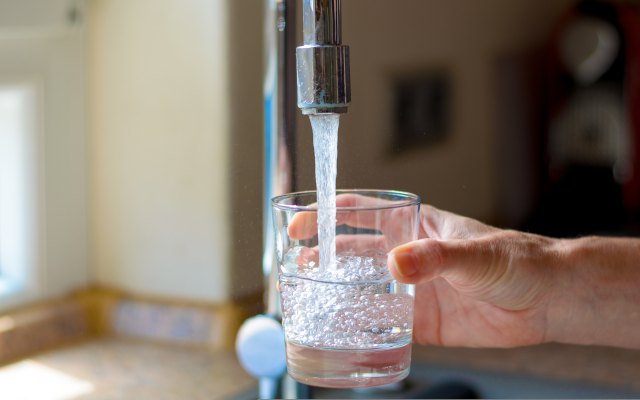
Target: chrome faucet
x=323 y=86
x=279 y=127
x=323 y=61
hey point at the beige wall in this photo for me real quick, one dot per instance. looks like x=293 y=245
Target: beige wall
x=158 y=147
x=176 y=146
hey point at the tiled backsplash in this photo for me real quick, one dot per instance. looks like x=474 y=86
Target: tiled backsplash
x=156 y=321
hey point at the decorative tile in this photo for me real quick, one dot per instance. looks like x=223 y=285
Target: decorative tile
x=161 y=322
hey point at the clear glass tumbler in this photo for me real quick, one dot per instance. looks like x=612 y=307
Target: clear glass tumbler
x=347 y=322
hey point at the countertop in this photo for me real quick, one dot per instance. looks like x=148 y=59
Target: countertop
x=589 y=364
x=122 y=369
x=114 y=369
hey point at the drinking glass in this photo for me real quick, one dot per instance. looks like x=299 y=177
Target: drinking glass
x=347 y=322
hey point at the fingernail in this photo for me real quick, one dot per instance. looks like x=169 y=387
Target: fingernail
x=405 y=263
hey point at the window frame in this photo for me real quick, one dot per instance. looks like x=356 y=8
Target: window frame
x=21 y=256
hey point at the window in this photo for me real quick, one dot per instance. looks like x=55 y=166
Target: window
x=19 y=179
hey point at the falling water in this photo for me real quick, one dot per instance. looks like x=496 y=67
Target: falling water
x=325 y=144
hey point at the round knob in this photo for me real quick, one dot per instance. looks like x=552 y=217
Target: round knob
x=260 y=347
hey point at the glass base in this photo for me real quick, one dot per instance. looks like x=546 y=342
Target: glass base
x=348 y=368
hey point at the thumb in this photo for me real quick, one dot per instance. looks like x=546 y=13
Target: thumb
x=460 y=261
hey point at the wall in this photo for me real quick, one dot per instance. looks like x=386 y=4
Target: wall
x=462 y=37
x=158 y=147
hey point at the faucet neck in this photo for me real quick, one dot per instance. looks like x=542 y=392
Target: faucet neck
x=322 y=21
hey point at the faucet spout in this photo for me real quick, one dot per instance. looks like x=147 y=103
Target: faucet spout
x=323 y=61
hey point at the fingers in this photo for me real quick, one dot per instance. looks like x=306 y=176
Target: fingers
x=510 y=269
x=361 y=243
x=303 y=225
x=416 y=262
x=461 y=261
x=346 y=244
x=434 y=223
x=440 y=224
x=360 y=201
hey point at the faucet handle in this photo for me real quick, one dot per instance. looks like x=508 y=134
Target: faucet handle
x=260 y=347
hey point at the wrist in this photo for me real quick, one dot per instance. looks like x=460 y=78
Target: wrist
x=565 y=318
x=596 y=292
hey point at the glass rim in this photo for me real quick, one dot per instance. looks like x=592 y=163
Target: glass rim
x=408 y=199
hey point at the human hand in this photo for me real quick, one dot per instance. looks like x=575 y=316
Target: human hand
x=469 y=291
x=480 y=286
x=477 y=285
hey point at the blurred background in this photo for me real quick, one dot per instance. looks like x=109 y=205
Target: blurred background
x=131 y=166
